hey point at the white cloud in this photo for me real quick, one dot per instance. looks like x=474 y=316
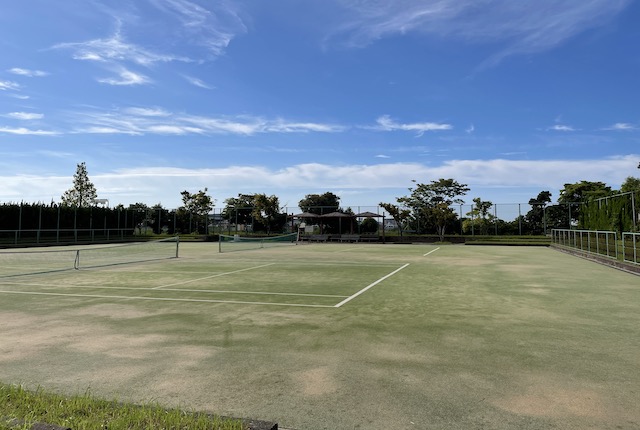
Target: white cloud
x=198 y=82
x=116 y=49
x=27 y=72
x=283 y=126
x=8 y=85
x=126 y=77
x=621 y=126
x=24 y=115
x=25 y=131
x=367 y=183
x=561 y=127
x=385 y=123
x=212 y=27
x=153 y=112
x=155 y=120
x=519 y=27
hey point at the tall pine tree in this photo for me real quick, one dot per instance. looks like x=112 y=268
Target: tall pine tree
x=83 y=193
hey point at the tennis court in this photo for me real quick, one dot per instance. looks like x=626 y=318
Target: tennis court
x=272 y=278
x=333 y=336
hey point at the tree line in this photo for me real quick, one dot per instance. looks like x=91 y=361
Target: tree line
x=428 y=208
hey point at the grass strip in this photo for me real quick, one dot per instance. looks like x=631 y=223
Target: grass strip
x=81 y=412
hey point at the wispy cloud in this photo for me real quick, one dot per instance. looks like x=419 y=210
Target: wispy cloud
x=518 y=27
x=212 y=27
x=155 y=111
x=198 y=82
x=385 y=123
x=27 y=72
x=25 y=131
x=561 y=127
x=9 y=85
x=125 y=78
x=621 y=126
x=24 y=115
x=142 y=121
x=116 y=49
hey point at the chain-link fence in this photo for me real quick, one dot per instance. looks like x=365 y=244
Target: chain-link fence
x=48 y=224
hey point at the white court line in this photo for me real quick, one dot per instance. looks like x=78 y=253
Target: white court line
x=180 y=290
x=348 y=299
x=212 y=276
x=433 y=250
x=164 y=299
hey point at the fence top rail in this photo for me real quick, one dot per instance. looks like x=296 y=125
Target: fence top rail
x=572 y=230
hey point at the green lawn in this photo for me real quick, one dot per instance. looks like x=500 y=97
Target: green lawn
x=464 y=337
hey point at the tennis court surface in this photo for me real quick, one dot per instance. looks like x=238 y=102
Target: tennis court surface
x=331 y=336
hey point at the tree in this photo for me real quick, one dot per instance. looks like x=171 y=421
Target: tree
x=266 y=210
x=431 y=203
x=481 y=219
x=536 y=217
x=575 y=195
x=630 y=184
x=83 y=193
x=238 y=210
x=320 y=203
x=369 y=225
x=401 y=216
x=198 y=204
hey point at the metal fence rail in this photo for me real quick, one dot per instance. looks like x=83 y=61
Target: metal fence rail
x=631 y=247
x=592 y=241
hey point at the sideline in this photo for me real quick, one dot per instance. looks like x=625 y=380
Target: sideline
x=348 y=299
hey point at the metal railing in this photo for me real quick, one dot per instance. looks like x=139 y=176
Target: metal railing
x=631 y=247
x=592 y=241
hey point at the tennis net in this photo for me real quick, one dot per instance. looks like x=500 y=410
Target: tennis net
x=240 y=243
x=27 y=262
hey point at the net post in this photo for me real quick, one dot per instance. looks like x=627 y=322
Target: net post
x=76 y=263
x=177 y=245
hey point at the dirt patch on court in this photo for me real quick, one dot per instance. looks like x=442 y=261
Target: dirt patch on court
x=554 y=396
x=114 y=311
x=316 y=382
x=87 y=338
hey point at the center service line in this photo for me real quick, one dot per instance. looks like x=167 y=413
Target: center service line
x=348 y=299
x=433 y=250
x=217 y=275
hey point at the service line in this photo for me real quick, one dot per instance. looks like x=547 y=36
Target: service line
x=163 y=299
x=433 y=250
x=348 y=299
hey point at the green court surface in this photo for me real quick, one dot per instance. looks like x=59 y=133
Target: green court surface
x=335 y=336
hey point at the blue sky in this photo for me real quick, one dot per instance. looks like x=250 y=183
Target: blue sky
x=292 y=97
